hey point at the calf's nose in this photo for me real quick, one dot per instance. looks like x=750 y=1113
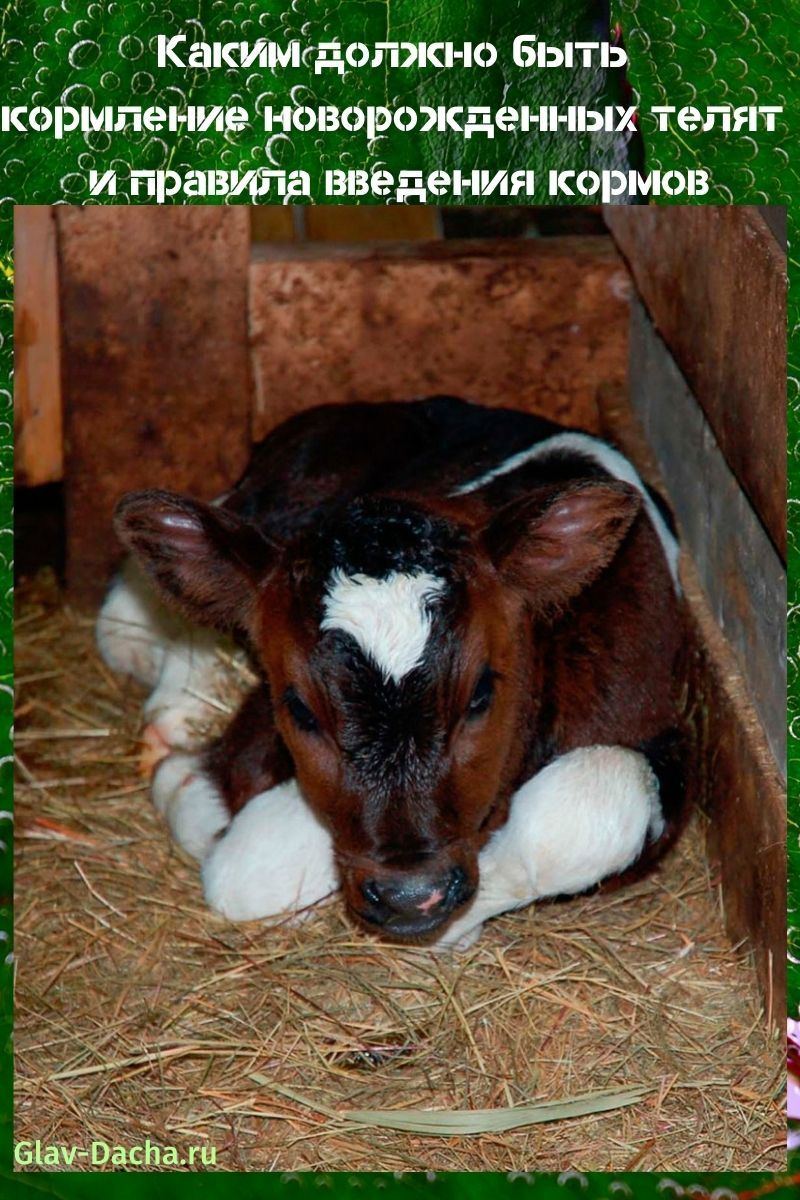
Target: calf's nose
x=416 y=896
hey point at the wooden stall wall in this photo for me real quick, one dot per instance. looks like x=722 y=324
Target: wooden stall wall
x=707 y=382
x=155 y=364
x=532 y=325
x=38 y=431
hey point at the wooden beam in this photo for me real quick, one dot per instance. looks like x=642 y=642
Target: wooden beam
x=714 y=282
x=745 y=797
x=526 y=324
x=155 y=364
x=38 y=440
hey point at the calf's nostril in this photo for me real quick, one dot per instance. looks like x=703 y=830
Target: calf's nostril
x=370 y=892
x=457 y=887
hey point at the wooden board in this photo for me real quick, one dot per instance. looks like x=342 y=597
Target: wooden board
x=38 y=439
x=714 y=282
x=737 y=564
x=528 y=324
x=746 y=800
x=156 y=372
x=733 y=771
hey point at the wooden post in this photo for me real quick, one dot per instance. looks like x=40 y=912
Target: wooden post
x=156 y=371
x=733 y=770
x=38 y=442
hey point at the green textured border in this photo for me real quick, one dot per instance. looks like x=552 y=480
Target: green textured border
x=682 y=51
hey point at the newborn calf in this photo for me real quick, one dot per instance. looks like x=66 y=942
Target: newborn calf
x=466 y=622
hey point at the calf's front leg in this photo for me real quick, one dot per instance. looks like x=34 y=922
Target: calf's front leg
x=237 y=809
x=181 y=663
x=200 y=793
x=586 y=816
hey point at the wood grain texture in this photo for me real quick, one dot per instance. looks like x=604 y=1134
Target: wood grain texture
x=38 y=438
x=156 y=369
x=732 y=770
x=714 y=282
x=736 y=562
x=746 y=799
x=527 y=324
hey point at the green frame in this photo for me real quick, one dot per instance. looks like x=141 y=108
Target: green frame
x=681 y=51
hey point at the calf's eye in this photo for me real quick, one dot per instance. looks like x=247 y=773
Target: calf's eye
x=300 y=713
x=482 y=696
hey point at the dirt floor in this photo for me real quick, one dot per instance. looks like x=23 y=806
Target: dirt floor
x=139 y=1014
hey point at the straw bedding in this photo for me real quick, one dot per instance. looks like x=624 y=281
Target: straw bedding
x=142 y=1015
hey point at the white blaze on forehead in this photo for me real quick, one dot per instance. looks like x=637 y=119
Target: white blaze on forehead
x=389 y=618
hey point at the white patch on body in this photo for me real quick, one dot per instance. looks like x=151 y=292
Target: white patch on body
x=605 y=456
x=585 y=816
x=389 y=618
x=192 y=806
x=136 y=635
x=276 y=858
x=133 y=628
x=185 y=696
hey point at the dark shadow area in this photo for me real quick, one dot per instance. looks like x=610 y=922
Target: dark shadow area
x=39 y=532
x=522 y=221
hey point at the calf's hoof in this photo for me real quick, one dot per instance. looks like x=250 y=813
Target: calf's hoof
x=154 y=750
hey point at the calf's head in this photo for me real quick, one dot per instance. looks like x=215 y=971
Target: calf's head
x=400 y=643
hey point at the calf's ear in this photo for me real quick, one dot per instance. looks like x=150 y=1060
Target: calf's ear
x=553 y=552
x=203 y=560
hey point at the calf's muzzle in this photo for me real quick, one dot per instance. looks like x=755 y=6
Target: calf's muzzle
x=414 y=904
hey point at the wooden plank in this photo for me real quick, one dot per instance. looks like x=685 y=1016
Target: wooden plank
x=733 y=774
x=531 y=325
x=156 y=369
x=737 y=564
x=746 y=801
x=714 y=282
x=371 y=223
x=38 y=440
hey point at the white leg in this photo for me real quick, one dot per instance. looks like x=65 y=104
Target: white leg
x=194 y=809
x=193 y=674
x=586 y=816
x=138 y=636
x=133 y=628
x=275 y=858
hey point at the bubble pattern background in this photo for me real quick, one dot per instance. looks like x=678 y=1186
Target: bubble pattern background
x=682 y=52
x=105 y=53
